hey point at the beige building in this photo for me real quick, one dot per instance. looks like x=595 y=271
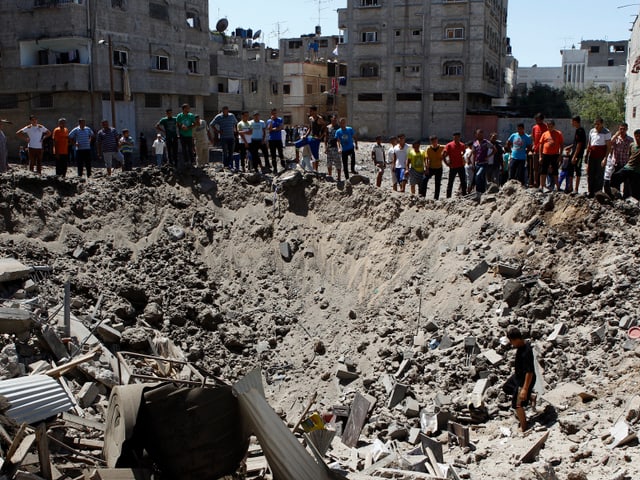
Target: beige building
x=421 y=67
x=244 y=75
x=312 y=74
x=632 y=99
x=55 y=57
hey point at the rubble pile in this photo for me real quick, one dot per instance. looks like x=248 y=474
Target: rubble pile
x=376 y=319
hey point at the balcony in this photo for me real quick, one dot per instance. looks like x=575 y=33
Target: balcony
x=46 y=78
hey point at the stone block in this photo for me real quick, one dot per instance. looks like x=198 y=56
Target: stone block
x=477 y=271
x=11 y=269
x=87 y=394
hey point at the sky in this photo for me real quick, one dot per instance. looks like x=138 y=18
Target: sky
x=538 y=29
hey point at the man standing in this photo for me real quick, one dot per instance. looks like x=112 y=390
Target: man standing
x=520 y=384
x=169 y=128
x=81 y=136
x=435 y=156
x=61 y=146
x=347 y=145
x=258 y=142
x=630 y=173
x=400 y=157
x=620 y=150
x=577 y=152
x=378 y=157
x=185 y=121
x=126 y=143
x=417 y=167
x=244 y=141
x=598 y=148
x=314 y=135
x=454 y=152
x=551 y=143
x=536 y=133
x=331 y=148
x=108 y=146
x=481 y=150
x=34 y=134
x=274 y=127
x=519 y=144
x=201 y=136
x=224 y=128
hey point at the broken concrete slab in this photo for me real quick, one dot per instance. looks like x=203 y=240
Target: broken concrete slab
x=621 y=433
x=397 y=394
x=531 y=455
x=11 y=269
x=54 y=343
x=411 y=408
x=513 y=292
x=492 y=356
x=476 y=272
x=477 y=395
x=558 y=329
x=509 y=271
x=87 y=394
x=15 y=320
x=445 y=342
x=344 y=374
x=357 y=418
x=566 y=394
x=108 y=334
x=285 y=251
x=459 y=433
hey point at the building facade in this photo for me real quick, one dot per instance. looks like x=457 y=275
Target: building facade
x=56 y=54
x=420 y=67
x=312 y=73
x=632 y=99
x=598 y=63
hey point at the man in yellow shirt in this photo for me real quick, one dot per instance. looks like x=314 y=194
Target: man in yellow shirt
x=435 y=155
x=416 y=166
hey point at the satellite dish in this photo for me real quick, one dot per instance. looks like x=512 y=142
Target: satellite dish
x=222 y=25
x=257 y=34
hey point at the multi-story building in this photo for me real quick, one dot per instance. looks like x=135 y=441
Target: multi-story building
x=598 y=63
x=632 y=100
x=244 y=74
x=312 y=73
x=420 y=67
x=57 y=55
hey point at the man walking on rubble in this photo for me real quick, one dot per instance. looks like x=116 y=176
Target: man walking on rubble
x=520 y=384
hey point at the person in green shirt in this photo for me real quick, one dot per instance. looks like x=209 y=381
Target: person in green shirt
x=185 y=121
x=416 y=165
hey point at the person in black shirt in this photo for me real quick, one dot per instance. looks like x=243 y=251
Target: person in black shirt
x=520 y=384
x=576 y=152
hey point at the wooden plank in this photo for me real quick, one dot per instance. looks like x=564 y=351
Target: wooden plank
x=43 y=451
x=82 y=422
x=531 y=455
x=62 y=369
x=72 y=397
x=22 y=449
x=359 y=413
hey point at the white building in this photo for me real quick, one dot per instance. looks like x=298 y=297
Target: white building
x=596 y=63
x=632 y=99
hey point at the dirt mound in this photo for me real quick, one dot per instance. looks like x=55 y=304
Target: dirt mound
x=241 y=271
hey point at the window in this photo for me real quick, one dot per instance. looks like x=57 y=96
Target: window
x=453 y=69
x=254 y=86
x=617 y=49
x=594 y=49
x=192 y=66
x=193 y=21
x=120 y=58
x=274 y=88
x=309 y=89
x=44 y=100
x=454 y=33
x=397 y=33
x=295 y=43
x=152 y=100
x=416 y=33
x=369 y=70
x=368 y=3
x=323 y=43
x=446 y=97
x=118 y=4
x=610 y=62
x=409 y=97
x=8 y=101
x=633 y=114
x=158 y=11
x=323 y=88
x=160 y=62
x=369 y=97
x=398 y=69
x=414 y=69
x=368 y=37
x=189 y=99
x=286 y=89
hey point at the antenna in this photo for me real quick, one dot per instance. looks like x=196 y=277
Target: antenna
x=279 y=31
x=320 y=4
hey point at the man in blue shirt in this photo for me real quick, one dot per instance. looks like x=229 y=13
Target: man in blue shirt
x=224 y=128
x=81 y=137
x=347 y=144
x=519 y=143
x=274 y=127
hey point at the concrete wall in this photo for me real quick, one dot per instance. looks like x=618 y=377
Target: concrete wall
x=633 y=79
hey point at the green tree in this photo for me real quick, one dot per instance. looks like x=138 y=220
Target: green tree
x=595 y=102
x=541 y=98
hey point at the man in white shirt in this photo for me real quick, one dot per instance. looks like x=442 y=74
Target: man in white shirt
x=400 y=153
x=34 y=134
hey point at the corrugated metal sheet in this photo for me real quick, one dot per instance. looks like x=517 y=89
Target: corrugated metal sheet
x=34 y=398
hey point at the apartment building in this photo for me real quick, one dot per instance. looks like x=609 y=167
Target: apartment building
x=632 y=98
x=312 y=73
x=57 y=58
x=420 y=67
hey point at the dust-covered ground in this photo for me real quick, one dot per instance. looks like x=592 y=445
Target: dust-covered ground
x=303 y=279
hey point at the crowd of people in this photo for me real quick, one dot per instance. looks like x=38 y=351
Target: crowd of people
x=540 y=159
